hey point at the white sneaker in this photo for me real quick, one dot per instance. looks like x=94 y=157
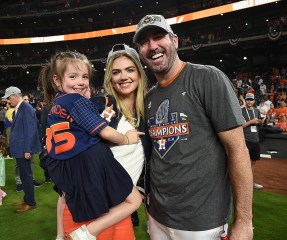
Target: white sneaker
x=257 y=186
x=82 y=233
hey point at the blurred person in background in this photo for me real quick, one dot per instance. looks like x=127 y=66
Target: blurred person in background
x=19 y=187
x=24 y=143
x=253 y=121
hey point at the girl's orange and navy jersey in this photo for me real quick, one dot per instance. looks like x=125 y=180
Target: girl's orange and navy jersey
x=73 y=126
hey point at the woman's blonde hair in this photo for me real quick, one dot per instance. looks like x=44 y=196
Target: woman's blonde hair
x=140 y=92
x=57 y=66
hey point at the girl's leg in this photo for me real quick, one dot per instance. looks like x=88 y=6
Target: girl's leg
x=115 y=215
x=70 y=226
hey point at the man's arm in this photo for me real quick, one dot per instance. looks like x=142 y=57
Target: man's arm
x=29 y=129
x=240 y=173
x=254 y=121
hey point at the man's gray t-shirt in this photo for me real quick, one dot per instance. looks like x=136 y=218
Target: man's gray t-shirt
x=190 y=186
x=251 y=136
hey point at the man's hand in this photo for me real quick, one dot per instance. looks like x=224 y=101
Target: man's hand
x=241 y=231
x=255 y=121
x=28 y=156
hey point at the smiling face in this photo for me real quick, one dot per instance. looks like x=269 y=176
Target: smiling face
x=75 y=78
x=125 y=76
x=158 y=50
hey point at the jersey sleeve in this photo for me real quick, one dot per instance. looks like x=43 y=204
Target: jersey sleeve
x=87 y=116
x=219 y=100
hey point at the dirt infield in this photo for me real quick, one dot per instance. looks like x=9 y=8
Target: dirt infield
x=272 y=174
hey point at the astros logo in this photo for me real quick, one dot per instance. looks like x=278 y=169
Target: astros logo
x=108 y=113
x=161 y=144
x=166 y=128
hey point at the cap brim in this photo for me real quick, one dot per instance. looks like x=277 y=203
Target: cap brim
x=6 y=96
x=137 y=35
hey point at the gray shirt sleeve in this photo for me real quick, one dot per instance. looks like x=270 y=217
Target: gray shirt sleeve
x=219 y=100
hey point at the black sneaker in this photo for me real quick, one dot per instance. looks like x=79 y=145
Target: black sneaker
x=19 y=188
x=36 y=184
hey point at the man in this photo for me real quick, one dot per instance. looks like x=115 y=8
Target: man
x=24 y=142
x=19 y=186
x=199 y=151
x=253 y=119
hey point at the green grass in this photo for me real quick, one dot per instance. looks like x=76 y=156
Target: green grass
x=270 y=213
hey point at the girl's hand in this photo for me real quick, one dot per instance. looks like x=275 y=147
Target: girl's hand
x=133 y=136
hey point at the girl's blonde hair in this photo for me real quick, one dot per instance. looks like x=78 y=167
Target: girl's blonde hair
x=140 y=92
x=57 y=66
x=3 y=146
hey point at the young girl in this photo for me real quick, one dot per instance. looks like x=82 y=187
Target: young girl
x=124 y=83
x=3 y=152
x=94 y=184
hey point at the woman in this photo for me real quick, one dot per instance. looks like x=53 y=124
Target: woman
x=123 y=108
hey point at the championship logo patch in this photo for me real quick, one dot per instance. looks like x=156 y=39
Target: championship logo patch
x=167 y=128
